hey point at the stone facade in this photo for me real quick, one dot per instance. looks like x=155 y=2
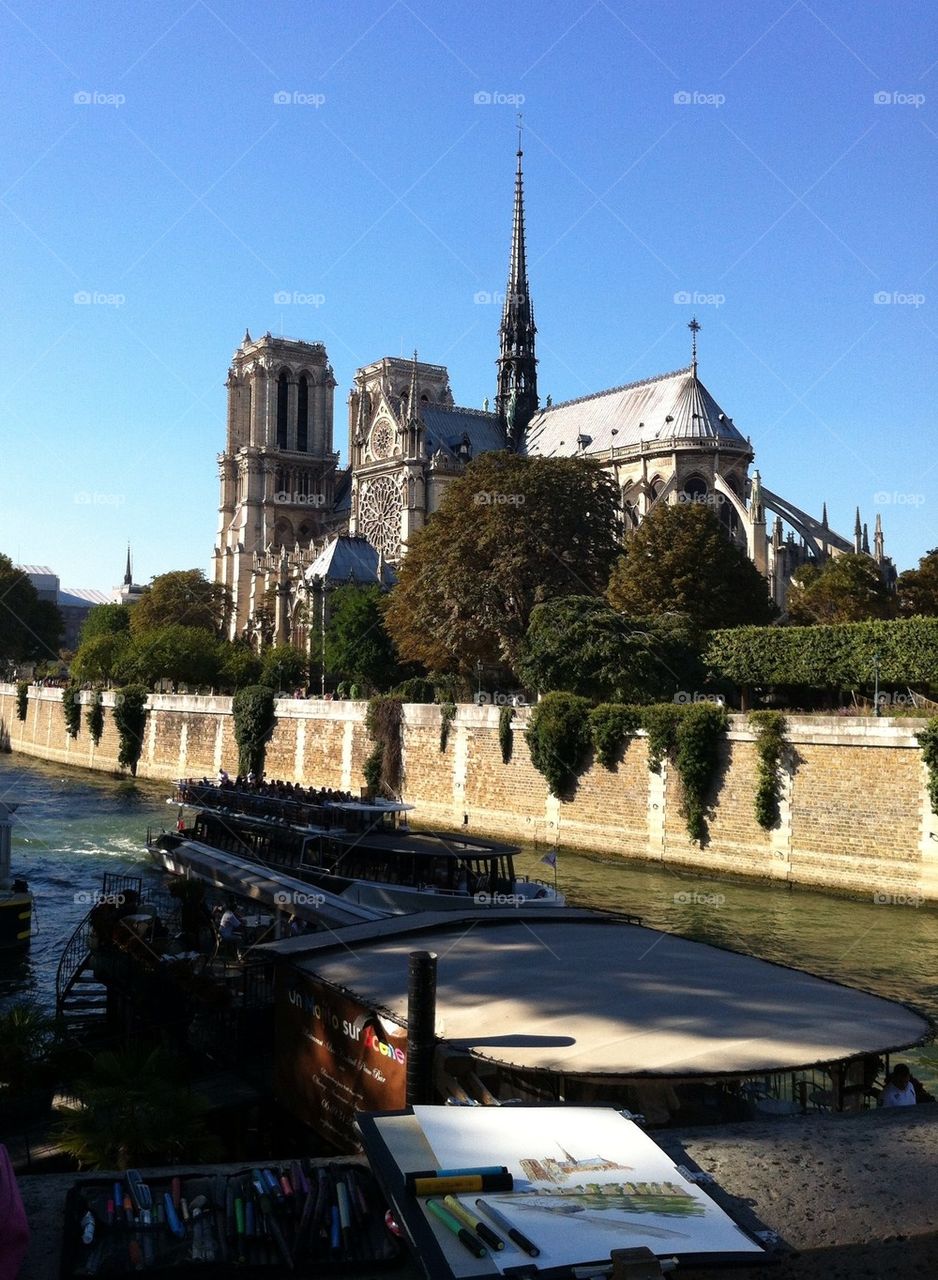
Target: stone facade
x=854 y=813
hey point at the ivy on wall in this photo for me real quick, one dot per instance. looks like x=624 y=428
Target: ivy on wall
x=770 y=727
x=130 y=718
x=928 y=741
x=254 y=718
x=22 y=699
x=506 y=738
x=447 y=716
x=559 y=739
x=384 y=768
x=94 y=717
x=71 y=708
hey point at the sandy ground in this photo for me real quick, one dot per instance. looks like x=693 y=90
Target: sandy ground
x=846 y=1195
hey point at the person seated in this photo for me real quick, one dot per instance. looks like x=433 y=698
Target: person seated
x=899 y=1090
x=230 y=930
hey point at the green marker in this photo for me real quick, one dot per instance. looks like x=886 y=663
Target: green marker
x=466 y=1238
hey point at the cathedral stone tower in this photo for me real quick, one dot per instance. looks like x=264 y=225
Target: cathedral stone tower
x=516 y=400
x=278 y=470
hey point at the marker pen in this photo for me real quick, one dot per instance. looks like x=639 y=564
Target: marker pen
x=511 y=1232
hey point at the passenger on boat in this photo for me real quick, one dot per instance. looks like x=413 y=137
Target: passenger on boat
x=899 y=1090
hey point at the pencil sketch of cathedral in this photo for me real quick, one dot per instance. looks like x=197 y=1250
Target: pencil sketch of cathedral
x=292 y=524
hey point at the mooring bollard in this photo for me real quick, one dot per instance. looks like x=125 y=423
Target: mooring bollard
x=421 y=1026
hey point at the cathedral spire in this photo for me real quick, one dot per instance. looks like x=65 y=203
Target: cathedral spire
x=879 y=551
x=824 y=516
x=128 y=572
x=516 y=400
x=858 y=534
x=866 y=539
x=413 y=399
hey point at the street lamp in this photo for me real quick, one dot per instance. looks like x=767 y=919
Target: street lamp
x=479 y=680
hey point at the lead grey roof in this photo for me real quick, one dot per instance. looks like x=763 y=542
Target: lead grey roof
x=672 y=407
x=446 y=427
x=348 y=559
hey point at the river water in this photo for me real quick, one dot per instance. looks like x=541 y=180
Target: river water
x=73 y=826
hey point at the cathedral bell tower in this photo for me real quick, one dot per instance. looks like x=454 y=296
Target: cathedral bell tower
x=516 y=400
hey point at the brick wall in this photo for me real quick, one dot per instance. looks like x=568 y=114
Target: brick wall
x=854 y=813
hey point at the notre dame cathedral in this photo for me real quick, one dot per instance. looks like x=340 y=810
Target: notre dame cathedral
x=293 y=524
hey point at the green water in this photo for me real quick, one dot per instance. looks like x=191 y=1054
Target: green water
x=73 y=826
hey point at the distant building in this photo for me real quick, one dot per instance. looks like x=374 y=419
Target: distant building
x=74 y=603
x=129 y=592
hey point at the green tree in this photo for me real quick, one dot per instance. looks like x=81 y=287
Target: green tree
x=845 y=588
x=358 y=646
x=100 y=658
x=183 y=655
x=238 y=664
x=510 y=533
x=917 y=589
x=679 y=560
x=581 y=645
x=30 y=628
x=284 y=669
x=105 y=620
x=183 y=598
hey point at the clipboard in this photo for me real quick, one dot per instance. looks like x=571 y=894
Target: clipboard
x=395 y=1144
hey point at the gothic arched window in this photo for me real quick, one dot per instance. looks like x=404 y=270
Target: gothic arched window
x=695 y=489
x=282 y=395
x=302 y=414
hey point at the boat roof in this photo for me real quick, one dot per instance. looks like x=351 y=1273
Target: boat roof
x=590 y=994
x=369 y=806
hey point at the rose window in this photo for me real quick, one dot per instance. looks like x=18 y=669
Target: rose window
x=379 y=514
x=381 y=440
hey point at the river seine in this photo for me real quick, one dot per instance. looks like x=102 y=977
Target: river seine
x=73 y=826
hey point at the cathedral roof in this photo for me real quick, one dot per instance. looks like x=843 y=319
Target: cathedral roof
x=347 y=559
x=446 y=426
x=672 y=407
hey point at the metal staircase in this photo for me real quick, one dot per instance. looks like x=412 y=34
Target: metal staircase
x=80 y=999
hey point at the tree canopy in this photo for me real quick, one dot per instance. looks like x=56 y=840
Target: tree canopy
x=358 y=647
x=30 y=628
x=680 y=560
x=105 y=620
x=183 y=598
x=284 y=668
x=846 y=588
x=581 y=645
x=510 y=533
x=917 y=589
x=183 y=655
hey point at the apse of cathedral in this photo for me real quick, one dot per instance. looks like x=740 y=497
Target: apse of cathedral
x=293 y=525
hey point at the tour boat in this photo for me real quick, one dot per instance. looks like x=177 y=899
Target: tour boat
x=354 y=852
x=16 y=902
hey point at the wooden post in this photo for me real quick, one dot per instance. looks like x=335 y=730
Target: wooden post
x=421 y=1026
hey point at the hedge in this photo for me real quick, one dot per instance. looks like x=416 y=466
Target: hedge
x=838 y=657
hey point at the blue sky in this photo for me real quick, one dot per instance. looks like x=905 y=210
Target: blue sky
x=183 y=196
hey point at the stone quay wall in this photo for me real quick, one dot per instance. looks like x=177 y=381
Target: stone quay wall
x=854 y=812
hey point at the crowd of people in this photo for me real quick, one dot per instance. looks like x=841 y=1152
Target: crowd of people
x=278 y=789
